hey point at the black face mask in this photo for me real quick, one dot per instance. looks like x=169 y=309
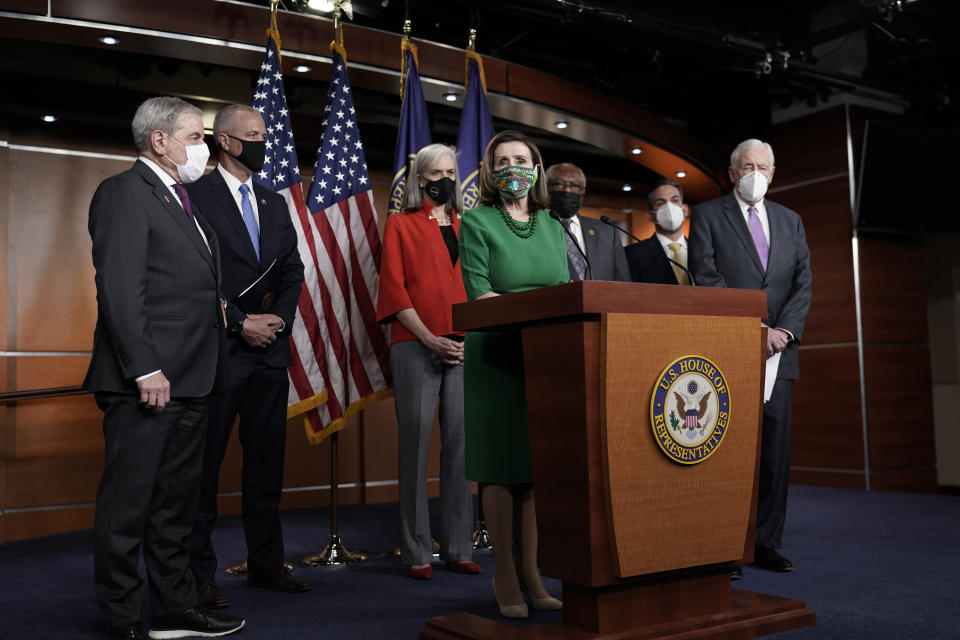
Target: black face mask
x=440 y=191
x=565 y=203
x=252 y=154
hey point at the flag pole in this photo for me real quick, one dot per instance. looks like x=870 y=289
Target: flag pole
x=335 y=553
x=481 y=536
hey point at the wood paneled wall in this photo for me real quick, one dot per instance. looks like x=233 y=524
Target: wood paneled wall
x=812 y=178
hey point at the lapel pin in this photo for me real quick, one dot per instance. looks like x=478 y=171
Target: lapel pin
x=167 y=198
x=592 y=232
x=263 y=201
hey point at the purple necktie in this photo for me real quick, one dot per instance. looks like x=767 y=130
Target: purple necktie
x=759 y=240
x=185 y=199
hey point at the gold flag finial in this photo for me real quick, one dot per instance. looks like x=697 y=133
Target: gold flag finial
x=407 y=27
x=345 y=7
x=472 y=40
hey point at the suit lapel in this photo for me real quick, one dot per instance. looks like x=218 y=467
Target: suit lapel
x=166 y=200
x=591 y=239
x=731 y=210
x=779 y=232
x=224 y=199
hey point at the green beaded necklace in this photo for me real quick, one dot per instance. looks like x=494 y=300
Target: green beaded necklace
x=520 y=229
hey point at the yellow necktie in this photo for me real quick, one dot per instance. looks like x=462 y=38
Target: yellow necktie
x=680 y=273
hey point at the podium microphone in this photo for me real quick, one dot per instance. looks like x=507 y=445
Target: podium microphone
x=607 y=220
x=556 y=216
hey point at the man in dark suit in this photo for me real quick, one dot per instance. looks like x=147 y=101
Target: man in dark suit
x=158 y=349
x=647 y=260
x=257 y=242
x=604 y=252
x=746 y=242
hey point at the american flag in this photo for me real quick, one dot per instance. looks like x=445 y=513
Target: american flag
x=318 y=334
x=342 y=246
x=281 y=173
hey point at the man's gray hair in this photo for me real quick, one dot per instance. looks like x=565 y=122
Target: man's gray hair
x=227 y=115
x=663 y=182
x=552 y=169
x=426 y=158
x=158 y=113
x=746 y=145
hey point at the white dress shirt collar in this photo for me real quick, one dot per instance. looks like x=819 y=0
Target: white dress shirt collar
x=233 y=185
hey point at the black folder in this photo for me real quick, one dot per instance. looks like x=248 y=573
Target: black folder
x=260 y=295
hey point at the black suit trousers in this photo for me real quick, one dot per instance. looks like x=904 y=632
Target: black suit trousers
x=146 y=500
x=774 y=466
x=258 y=394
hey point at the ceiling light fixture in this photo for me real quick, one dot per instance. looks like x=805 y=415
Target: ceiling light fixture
x=681 y=174
x=451 y=96
x=324 y=6
x=301 y=68
x=50 y=118
x=110 y=40
x=561 y=124
x=627 y=187
x=636 y=151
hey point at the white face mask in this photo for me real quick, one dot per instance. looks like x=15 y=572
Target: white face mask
x=753 y=186
x=670 y=217
x=193 y=168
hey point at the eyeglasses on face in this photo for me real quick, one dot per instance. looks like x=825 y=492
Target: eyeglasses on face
x=563 y=185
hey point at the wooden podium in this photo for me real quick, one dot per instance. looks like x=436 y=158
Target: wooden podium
x=643 y=544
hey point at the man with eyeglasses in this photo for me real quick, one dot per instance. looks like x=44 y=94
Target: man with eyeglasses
x=597 y=254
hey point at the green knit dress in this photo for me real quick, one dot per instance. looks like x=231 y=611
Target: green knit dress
x=494 y=258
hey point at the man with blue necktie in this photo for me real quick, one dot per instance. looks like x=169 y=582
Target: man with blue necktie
x=262 y=279
x=744 y=241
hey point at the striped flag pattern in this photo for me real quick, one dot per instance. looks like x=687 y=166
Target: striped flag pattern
x=281 y=173
x=343 y=249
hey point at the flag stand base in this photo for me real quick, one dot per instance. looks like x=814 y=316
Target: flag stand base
x=333 y=554
x=481 y=537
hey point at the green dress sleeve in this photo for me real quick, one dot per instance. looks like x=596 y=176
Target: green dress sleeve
x=474 y=255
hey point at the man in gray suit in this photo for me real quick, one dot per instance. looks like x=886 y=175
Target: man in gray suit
x=605 y=259
x=159 y=348
x=744 y=241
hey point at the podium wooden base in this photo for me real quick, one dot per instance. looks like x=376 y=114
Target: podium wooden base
x=751 y=615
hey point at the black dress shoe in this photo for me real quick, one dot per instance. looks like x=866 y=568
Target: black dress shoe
x=194 y=622
x=736 y=572
x=282 y=581
x=210 y=596
x=768 y=558
x=127 y=632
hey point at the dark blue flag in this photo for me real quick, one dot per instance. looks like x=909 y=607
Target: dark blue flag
x=414 y=130
x=476 y=131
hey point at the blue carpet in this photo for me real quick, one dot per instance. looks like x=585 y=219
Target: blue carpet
x=873 y=565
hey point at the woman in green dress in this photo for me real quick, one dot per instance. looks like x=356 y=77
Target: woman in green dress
x=508 y=244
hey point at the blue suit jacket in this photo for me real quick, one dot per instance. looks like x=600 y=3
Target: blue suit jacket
x=239 y=261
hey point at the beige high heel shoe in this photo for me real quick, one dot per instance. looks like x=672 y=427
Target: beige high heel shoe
x=510 y=610
x=546 y=604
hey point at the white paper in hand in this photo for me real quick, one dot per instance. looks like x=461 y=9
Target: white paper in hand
x=773 y=364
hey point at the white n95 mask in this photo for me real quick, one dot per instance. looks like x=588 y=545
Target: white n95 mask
x=670 y=217
x=753 y=186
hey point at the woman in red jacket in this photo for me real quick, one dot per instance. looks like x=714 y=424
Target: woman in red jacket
x=419 y=283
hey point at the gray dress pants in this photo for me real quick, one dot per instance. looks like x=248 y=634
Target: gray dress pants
x=419 y=380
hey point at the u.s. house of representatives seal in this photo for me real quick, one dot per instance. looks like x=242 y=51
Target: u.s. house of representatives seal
x=690 y=409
